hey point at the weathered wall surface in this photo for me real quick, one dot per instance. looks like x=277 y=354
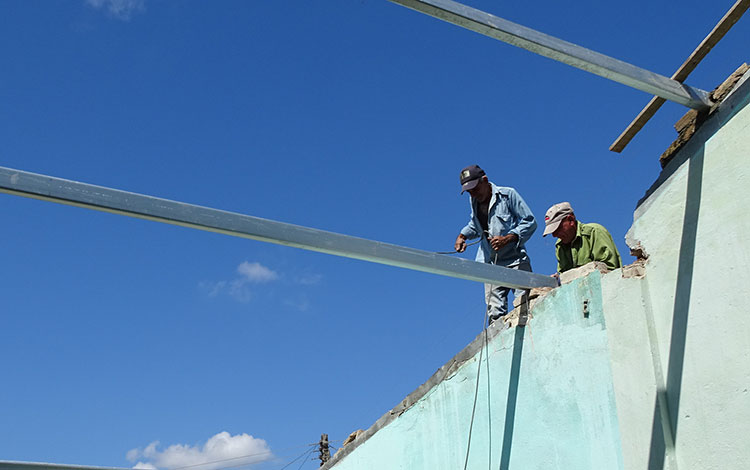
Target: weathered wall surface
x=656 y=376
x=551 y=399
x=680 y=337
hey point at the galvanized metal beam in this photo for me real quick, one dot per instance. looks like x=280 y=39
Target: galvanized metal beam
x=11 y=465
x=561 y=51
x=48 y=188
x=713 y=38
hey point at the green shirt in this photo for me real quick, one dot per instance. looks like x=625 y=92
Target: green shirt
x=592 y=243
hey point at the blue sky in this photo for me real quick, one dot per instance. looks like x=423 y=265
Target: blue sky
x=126 y=341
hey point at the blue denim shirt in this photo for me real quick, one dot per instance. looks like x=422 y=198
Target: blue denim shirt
x=508 y=213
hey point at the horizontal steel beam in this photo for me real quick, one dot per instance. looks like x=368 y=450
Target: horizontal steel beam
x=561 y=51
x=73 y=193
x=11 y=465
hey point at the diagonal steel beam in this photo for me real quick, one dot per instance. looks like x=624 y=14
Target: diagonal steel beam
x=99 y=198
x=713 y=38
x=561 y=51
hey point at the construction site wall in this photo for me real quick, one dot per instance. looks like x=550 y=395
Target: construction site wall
x=643 y=367
x=679 y=336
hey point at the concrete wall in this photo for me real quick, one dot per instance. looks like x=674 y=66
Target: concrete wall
x=680 y=337
x=551 y=399
x=655 y=376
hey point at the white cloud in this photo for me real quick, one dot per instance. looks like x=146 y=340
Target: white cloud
x=144 y=466
x=239 y=288
x=220 y=450
x=256 y=272
x=122 y=9
x=213 y=288
x=132 y=455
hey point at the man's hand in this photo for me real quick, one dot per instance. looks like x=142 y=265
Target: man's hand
x=460 y=244
x=500 y=241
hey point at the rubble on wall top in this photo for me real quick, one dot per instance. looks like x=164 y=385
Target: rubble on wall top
x=688 y=124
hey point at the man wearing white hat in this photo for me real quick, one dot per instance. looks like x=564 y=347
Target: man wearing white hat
x=579 y=243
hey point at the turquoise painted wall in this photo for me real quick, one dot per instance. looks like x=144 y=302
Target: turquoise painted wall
x=551 y=400
x=680 y=336
x=658 y=374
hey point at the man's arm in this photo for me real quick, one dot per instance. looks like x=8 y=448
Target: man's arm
x=526 y=221
x=460 y=244
x=502 y=240
x=603 y=248
x=469 y=232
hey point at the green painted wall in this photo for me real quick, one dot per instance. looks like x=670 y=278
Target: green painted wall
x=656 y=376
x=552 y=378
x=680 y=337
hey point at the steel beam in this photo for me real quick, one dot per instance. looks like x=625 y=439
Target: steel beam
x=99 y=198
x=713 y=38
x=11 y=465
x=561 y=51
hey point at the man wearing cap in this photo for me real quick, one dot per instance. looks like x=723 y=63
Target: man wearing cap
x=579 y=243
x=503 y=221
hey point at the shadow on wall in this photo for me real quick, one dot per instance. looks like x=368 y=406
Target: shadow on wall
x=666 y=408
x=510 y=407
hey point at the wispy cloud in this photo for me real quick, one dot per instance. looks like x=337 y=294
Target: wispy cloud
x=256 y=272
x=122 y=9
x=251 y=274
x=309 y=279
x=239 y=288
x=218 y=451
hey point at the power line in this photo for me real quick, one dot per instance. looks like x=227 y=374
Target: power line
x=237 y=458
x=304 y=454
x=311 y=449
x=310 y=452
x=484 y=346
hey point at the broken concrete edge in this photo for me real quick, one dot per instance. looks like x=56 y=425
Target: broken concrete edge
x=581 y=271
x=636 y=249
x=537 y=293
x=686 y=127
x=688 y=124
x=352 y=437
x=515 y=318
x=635 y=270
x=737 y=97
